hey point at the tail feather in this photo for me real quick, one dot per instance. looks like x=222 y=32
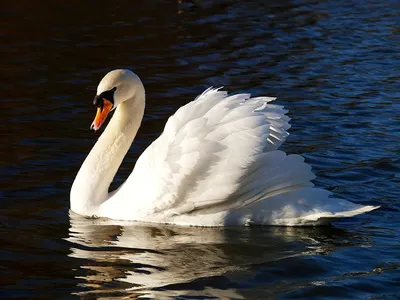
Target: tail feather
x=299 y=207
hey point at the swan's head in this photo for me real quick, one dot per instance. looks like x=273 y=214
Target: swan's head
x=115 y=88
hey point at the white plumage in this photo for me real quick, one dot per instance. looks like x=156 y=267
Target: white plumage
x=215 y=164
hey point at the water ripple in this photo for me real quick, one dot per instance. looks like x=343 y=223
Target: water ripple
x=333 y=64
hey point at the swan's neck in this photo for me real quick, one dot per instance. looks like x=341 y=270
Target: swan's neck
x=93 y=180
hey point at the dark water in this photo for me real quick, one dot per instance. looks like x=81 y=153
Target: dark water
x=334 y=64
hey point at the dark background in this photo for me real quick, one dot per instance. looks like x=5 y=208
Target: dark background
x=334 y=64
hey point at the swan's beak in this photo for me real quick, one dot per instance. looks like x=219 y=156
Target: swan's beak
x=101 y=115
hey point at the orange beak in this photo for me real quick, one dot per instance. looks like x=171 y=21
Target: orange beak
x=101 y=115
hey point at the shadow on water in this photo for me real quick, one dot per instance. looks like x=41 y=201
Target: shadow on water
x=124 y=258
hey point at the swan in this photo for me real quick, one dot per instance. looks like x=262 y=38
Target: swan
x=216 y=163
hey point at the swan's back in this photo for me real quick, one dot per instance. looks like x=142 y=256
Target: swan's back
x=217 y=163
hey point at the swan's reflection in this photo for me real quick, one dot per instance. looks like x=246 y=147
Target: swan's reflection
x=156 y=260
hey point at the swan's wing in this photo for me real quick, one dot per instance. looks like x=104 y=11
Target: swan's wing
x=217 y=163
x=207 y=152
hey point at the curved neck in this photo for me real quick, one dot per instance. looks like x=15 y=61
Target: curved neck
x=93 y=180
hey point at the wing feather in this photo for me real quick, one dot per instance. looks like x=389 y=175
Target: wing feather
x=207 y=146
x=217 y=163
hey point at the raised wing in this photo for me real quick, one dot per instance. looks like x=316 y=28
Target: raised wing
x=210 y=156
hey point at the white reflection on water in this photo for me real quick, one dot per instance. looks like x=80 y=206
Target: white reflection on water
x=120 y=258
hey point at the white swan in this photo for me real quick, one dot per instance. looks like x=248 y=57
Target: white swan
x=215 y=164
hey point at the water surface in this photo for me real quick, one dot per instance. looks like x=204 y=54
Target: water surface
x=334 y=64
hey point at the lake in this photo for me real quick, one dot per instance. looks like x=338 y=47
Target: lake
x=334 y=64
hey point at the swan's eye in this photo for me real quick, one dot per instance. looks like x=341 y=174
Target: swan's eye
x=107 y=95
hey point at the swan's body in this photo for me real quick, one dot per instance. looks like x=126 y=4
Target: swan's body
x=215 y=164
